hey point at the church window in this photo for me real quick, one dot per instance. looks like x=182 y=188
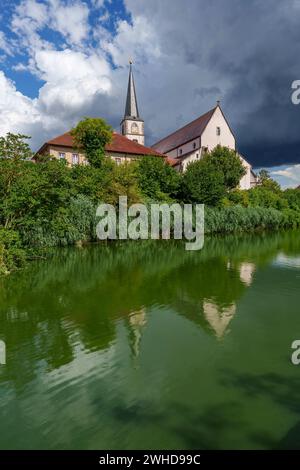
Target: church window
x=194 y=145
x=134 y=140
x=218 y=130
x=134 y=128
x=180 y=151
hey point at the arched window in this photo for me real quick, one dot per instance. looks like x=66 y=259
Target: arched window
x=134 y=128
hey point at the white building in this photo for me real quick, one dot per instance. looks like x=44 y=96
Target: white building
x=191 y=142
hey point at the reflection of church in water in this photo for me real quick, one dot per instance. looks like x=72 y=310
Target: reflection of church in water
x=137 y=321
x=217 y=316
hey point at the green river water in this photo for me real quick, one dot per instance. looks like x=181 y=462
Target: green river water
x=145 y=345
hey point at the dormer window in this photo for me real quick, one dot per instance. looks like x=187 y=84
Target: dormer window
x=218 y=130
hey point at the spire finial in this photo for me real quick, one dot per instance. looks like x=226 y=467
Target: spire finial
x=130 y=61
x=218 y=102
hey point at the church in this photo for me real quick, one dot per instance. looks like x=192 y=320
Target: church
x=187 y=144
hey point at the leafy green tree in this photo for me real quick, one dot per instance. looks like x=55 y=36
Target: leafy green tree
x=124 y=183
x=92 y=135
x=264 y=196
x=156 y=179
x=265 y=181
x=229 y=163
x=238 y=197
x=204 y=183
x=93 y=182
x=292 y=196
x=12 y=254
x=14 y=147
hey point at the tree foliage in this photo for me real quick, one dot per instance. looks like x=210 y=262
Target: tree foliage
x=92 y=135
x=209 y=179
x=156 y=179
x=50 y=203
x=203 y=184
x=228 y=162
x=14 y=147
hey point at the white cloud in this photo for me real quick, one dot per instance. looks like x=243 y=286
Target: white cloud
x=70 y=19
x=98 y=3
x=18 y=113
x=75 y=85
x=73 y=80
x=4 y=44
x=29 y=18
x=288 y=177
x=139 y=41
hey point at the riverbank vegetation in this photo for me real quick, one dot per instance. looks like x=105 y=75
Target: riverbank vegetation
x=45 y=203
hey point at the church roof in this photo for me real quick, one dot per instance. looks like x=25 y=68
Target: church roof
x=119 y=144
x=131 y=108
x=185 y=134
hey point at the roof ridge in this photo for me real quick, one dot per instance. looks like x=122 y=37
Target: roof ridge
x=186 y=125
x=119 y=144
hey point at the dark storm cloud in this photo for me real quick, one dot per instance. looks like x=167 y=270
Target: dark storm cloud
x=248 y=53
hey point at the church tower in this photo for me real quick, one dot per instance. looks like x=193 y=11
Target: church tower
x=132 y=126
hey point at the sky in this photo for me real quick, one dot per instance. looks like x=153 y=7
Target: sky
x=61 y=60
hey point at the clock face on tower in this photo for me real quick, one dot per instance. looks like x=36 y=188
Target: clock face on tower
x=134 y=128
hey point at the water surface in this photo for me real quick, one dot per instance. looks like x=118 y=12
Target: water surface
x=145 y=345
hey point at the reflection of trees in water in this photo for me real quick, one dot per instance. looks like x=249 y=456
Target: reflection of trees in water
x=76 y=296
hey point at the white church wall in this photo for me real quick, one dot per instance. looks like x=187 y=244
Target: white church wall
x=194 y=156
x=210 y=137
x=245 y=182
x=189 y=147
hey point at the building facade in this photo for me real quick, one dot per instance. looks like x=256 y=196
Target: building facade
x=120 y=150
x=191 y=142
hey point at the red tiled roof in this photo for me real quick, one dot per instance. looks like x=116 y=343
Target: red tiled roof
x=172 y=161
x=119 y=144
x=189 y=132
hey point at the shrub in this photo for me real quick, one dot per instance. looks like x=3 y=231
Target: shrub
x=203 y=184
x=156 y=179
x=12 y=255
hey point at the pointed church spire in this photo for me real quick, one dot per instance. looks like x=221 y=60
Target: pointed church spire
x=132 y=126
x=131 y=108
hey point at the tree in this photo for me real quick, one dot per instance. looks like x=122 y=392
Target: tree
x=267 y=182
x=157 y=180
x=204 y=183
x=14 y=147
x=230 y=164
x=92 y=135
